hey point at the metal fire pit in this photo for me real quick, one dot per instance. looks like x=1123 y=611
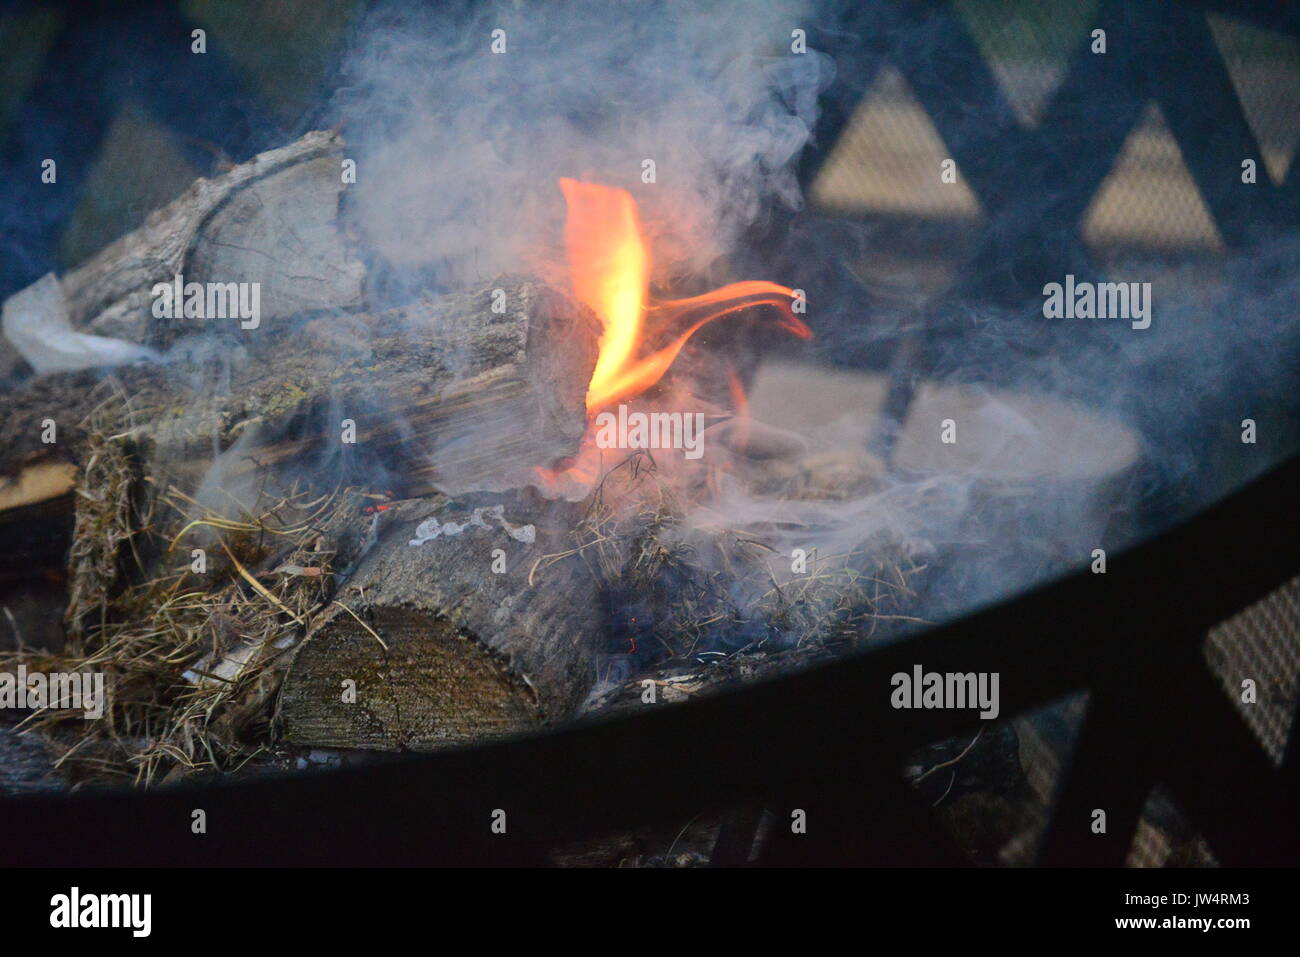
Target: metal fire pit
x=1160 y=644
x=825 y=741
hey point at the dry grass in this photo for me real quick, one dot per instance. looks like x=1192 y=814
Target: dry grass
x=191 y=648
x=684 y=591
x=102 y=527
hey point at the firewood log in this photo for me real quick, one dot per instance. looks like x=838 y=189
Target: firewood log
x=271 y=220
x=458 y=638
x=446 y=395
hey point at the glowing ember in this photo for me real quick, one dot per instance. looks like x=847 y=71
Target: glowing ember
x=610 y=268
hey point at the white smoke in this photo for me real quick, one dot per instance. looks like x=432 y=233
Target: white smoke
x=460 y=148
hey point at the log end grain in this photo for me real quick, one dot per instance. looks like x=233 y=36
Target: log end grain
x=480 y=640
x=434 y=686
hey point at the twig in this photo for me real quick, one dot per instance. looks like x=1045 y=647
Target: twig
x=953 y=761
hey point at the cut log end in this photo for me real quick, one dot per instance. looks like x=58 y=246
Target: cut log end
x=450 y=650
x=433 y=686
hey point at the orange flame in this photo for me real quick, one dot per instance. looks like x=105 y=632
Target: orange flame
x=609 y=264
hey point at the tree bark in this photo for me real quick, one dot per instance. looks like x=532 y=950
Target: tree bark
x=445 y=395
x=453 y=640
x=272 y=220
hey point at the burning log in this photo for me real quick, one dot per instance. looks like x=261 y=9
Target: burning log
x=452 y=635
x=465 y=623
x=448 y=394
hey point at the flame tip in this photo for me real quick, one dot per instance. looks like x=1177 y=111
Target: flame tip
x=609 y=264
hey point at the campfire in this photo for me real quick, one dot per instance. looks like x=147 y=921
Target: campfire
x=647 y=435
x=469 y=515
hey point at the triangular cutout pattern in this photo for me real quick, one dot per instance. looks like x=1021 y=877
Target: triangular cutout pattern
x=1027 y=50
x=1165 y=838
x=138 y=168
x=1149 y=199
x=1261 y=645
x=279 y=49
x=1265 y=71
x=26 y=39
x=889 y=159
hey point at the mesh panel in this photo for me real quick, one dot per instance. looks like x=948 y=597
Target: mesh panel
x=887 y=160
x=1150 y=200
x=1265 y=71
x=1164 y=838
x=1262 y=644
x=1027 y=46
